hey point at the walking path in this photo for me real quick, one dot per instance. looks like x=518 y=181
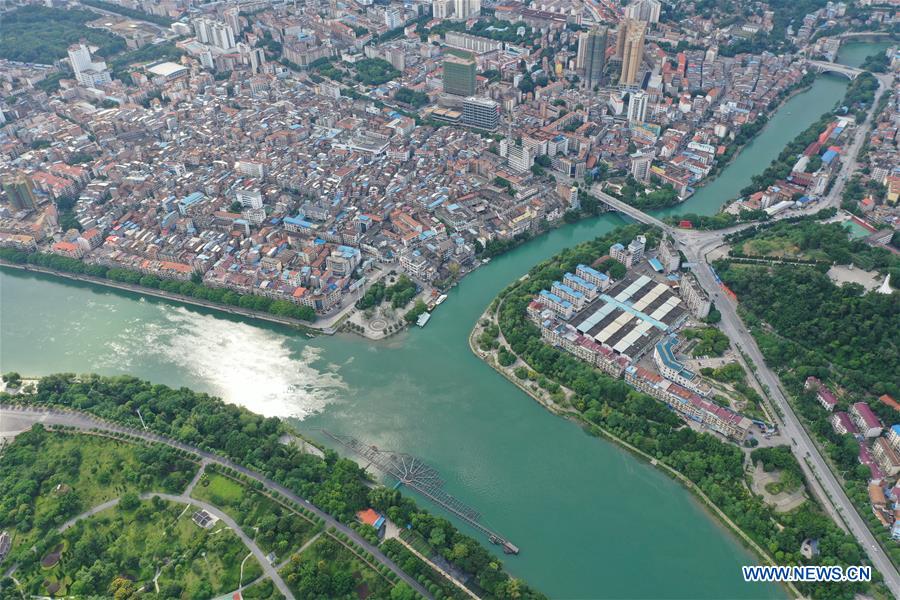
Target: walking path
x=190 y=488
x=444 y=573
x=306 y=545
x=88 y=513
x=85 y=422
x=260 y=556
x=267 y=568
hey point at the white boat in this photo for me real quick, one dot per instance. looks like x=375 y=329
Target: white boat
x=423 y=319
x=440 y=299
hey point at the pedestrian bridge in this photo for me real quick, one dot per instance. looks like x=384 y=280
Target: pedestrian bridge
x=822 y=66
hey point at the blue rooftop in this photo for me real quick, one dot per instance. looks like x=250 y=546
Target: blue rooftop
x=298 y=222
x=579 y=281
x=192 y=198
x=592 y=272
x=566 y=289
x=666 y=349
x=554 y=298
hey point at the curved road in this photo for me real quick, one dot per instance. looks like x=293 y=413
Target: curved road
x=836 y=501
x=27 y=416
x=696 y=244
x=267 y=568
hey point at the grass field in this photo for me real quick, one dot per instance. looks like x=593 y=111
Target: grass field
x=153 y=539
x=774 y=247
x=48 y=477
x=276 y=528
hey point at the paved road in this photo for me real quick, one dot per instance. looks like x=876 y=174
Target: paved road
x=79 y=420
x=267 y=568
x=88 y=513
x=696 y=245
x=832 y=495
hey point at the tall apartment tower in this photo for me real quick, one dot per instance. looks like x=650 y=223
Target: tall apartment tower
x=19 y=191
x=214 y=33
x=637 y=107
x=441 y=9
x=466 y=9
x=87 y=72
x=459 y=76
x=233 y=19
x=644 y=10
x=593 y=54
x=582 y=49
x=630 y=48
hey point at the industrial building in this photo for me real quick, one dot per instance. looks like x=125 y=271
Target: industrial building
x=632 y=316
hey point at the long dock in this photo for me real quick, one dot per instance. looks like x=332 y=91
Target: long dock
x=416 y=474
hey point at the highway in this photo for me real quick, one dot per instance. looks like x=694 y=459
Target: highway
x=20 y=418
x=819 y=475
x=696 y=245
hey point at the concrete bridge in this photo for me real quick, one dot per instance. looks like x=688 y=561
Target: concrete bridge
x=865 y=35
x=626 y=209
x=822 y=66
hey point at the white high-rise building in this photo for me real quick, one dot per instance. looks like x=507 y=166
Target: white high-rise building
x=644 y=10
x=393 y=18
x=233 y=19
x=442 y=9
x=249 y=198
x=637 y=107
x=466 y=9
x=87 y=72
x=640 y=165
x=214 y=33
x=520 y=158
x=255 y=57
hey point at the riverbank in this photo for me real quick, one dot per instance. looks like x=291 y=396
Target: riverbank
x=172 y=297
x=539 y=396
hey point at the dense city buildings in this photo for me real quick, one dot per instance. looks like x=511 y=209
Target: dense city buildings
x=347 y=164
x=266 y=138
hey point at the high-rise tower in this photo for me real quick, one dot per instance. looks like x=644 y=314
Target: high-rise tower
x=630 y=48
x=593 y=55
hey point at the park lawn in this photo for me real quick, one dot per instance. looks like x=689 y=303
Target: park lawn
x=775 y=246
x=156 y=535
x=329 y=570
x=276 y=528
x=55 y=476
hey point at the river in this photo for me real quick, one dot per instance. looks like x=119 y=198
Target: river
x=591 y=520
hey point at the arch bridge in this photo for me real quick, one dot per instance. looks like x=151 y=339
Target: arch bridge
x=822 y=66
